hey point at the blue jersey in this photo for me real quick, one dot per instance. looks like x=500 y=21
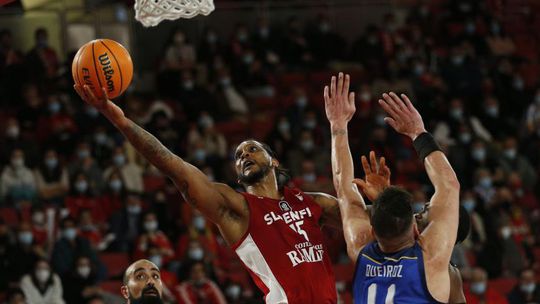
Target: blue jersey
x=396 y=278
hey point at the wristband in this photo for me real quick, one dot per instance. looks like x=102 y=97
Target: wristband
x=425 y=144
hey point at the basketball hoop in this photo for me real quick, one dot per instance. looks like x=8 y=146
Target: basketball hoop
x=152 y=12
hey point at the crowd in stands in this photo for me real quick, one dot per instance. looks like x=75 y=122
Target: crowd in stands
x=74 y=194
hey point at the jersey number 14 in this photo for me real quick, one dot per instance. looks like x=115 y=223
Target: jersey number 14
x=372 y=294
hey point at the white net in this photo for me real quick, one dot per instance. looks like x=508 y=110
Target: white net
x=152 y=12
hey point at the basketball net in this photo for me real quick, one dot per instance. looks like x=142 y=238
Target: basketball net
x=152 y=12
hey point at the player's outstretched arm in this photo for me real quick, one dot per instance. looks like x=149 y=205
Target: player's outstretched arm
x=215 y=201
x=340 y=108
x=439 y=237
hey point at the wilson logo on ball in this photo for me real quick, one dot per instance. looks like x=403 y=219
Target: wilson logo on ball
x=107 y=70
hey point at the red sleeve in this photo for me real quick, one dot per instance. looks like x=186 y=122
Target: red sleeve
x=139 y=253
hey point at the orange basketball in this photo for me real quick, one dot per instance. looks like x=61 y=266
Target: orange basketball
x=103 y=63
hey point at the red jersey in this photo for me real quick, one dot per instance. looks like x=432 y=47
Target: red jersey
x=283 y=249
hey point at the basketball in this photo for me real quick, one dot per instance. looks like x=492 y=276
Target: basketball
x=103 y=63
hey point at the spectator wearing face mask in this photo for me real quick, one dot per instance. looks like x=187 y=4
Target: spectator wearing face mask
x=114 y=195
x=42 y=285
x=484 y=187
x=198 y=230
x=80 y=282
x=102 y=144
x=81 y=195
x=17 y=182
x=42 y=58
x=84 y=162
x=52 y=179
x=310 y=180
x=69 y=247
x=168 y=278
x=180 y=53
x=198 y=288
x=479 y=291
x=154 y=237
x=39 y=227
x=131 y=173
x=477 y=236
x=24 y=254
x=90 y=230
x=306 y=148
x=125 y=225
x=527 y=291
x=512 y=160
x=56 y=128
x=12 y=139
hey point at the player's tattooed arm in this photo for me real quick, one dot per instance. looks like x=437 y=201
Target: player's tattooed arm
x=213 y=200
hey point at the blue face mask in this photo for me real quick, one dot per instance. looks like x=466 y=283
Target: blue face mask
x=528 y=288
x=54 y=107
x=156 y=259
x=200 y=155
x=469 y=205
x=478 y=288
x=51 y=163
x=116 y=185
x=119 y=160
x=26 y=237
x=485 y=182
x=479 y=154
x=70 y=233
x=83 y=154
x=81 y=186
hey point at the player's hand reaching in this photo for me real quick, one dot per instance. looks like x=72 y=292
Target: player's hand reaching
x=338 y=102
x=103 y=104
x=377 y=176
x=404 y=117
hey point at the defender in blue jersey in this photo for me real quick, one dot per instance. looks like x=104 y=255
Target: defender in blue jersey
x=395 y=263
x=377 y=178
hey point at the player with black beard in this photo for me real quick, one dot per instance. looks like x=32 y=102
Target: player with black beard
x=142 y=283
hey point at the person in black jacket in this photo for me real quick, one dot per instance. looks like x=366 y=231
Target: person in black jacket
x=80 y=283
x=527 y=291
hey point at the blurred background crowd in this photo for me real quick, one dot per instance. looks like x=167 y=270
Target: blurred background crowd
x=77 y=203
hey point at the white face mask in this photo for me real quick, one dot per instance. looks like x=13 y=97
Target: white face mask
x=38 y=218
x=199 y=222
x=156 y=259
x=42 y=275
x=151 y=226
x=196 y=254
x=84 y=271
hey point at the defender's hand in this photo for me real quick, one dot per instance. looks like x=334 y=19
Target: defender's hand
x=404 y=117
x=377 y=176
x=338 y=102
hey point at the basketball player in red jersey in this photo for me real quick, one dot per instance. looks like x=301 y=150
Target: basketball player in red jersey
x=275 y=232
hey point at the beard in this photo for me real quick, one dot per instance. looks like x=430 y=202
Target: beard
x=145 y=299
x=254 y=177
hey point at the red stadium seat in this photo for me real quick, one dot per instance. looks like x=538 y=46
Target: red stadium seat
x=111 y=286
x=344 y=272
x=10 y=216
x=116 y=263
x=504 y=285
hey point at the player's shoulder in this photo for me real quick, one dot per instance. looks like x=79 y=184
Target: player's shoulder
x=229 y=194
